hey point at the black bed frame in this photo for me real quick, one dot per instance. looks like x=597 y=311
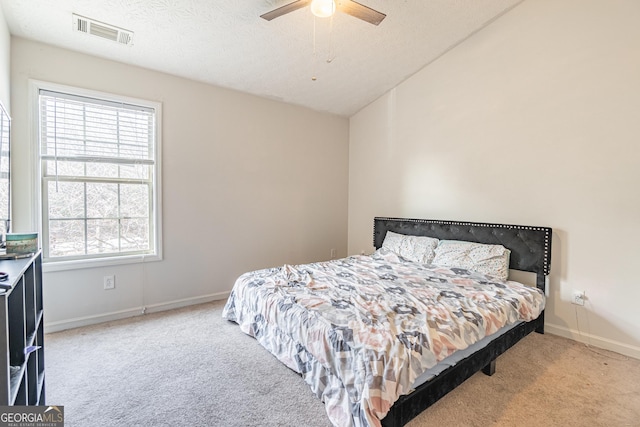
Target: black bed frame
x=530 y=251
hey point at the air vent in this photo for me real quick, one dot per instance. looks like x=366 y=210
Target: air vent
x=102 y=30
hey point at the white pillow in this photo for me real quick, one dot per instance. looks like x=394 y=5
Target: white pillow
x=414 y=248
x=392 y=241
x=492 y=260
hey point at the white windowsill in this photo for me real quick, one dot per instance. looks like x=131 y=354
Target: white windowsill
x=99 y=262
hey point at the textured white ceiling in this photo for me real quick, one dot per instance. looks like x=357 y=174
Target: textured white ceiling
x=226 y=43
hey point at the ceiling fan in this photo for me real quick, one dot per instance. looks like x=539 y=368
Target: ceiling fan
x=325 y=8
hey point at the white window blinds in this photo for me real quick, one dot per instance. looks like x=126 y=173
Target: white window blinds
x=80 y=128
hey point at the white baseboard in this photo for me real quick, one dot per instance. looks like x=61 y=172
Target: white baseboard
x=131 y=312
x=163 y=306
x=593 y=340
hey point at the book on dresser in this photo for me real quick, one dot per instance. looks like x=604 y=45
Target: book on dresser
x=22 y=332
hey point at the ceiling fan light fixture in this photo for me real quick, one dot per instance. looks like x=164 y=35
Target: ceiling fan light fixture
x=323 y=8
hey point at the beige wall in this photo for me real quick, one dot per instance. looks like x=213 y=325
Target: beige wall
x=5 y=52
x=534 y=120
x=247 y=183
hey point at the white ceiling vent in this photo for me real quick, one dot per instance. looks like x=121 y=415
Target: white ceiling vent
x=100 y=29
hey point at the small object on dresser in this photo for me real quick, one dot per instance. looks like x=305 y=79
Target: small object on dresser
x=4 y=255
x=22 y=243
x=3 y=281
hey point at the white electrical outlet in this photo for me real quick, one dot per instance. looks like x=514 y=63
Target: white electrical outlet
x=109 y=282
x=333 y=253
x=578 y=298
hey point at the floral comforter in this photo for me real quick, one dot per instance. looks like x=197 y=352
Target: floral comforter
x=360 y=330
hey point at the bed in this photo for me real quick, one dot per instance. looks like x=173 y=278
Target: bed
x=381 y=337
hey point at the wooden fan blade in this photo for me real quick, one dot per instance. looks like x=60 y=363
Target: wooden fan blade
x=360 y=11
x=283 y=10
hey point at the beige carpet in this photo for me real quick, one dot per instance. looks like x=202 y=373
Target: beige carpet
x=189 y=367
x=545 y=380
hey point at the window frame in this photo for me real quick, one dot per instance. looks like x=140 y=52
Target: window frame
x=155 y=254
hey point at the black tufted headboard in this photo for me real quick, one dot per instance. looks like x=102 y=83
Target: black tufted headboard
x=530 y=246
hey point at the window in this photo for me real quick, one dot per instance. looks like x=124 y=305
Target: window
x=5 y=193
x=99 y=174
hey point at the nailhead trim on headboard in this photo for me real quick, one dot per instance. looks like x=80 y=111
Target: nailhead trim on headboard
x=537 y=259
